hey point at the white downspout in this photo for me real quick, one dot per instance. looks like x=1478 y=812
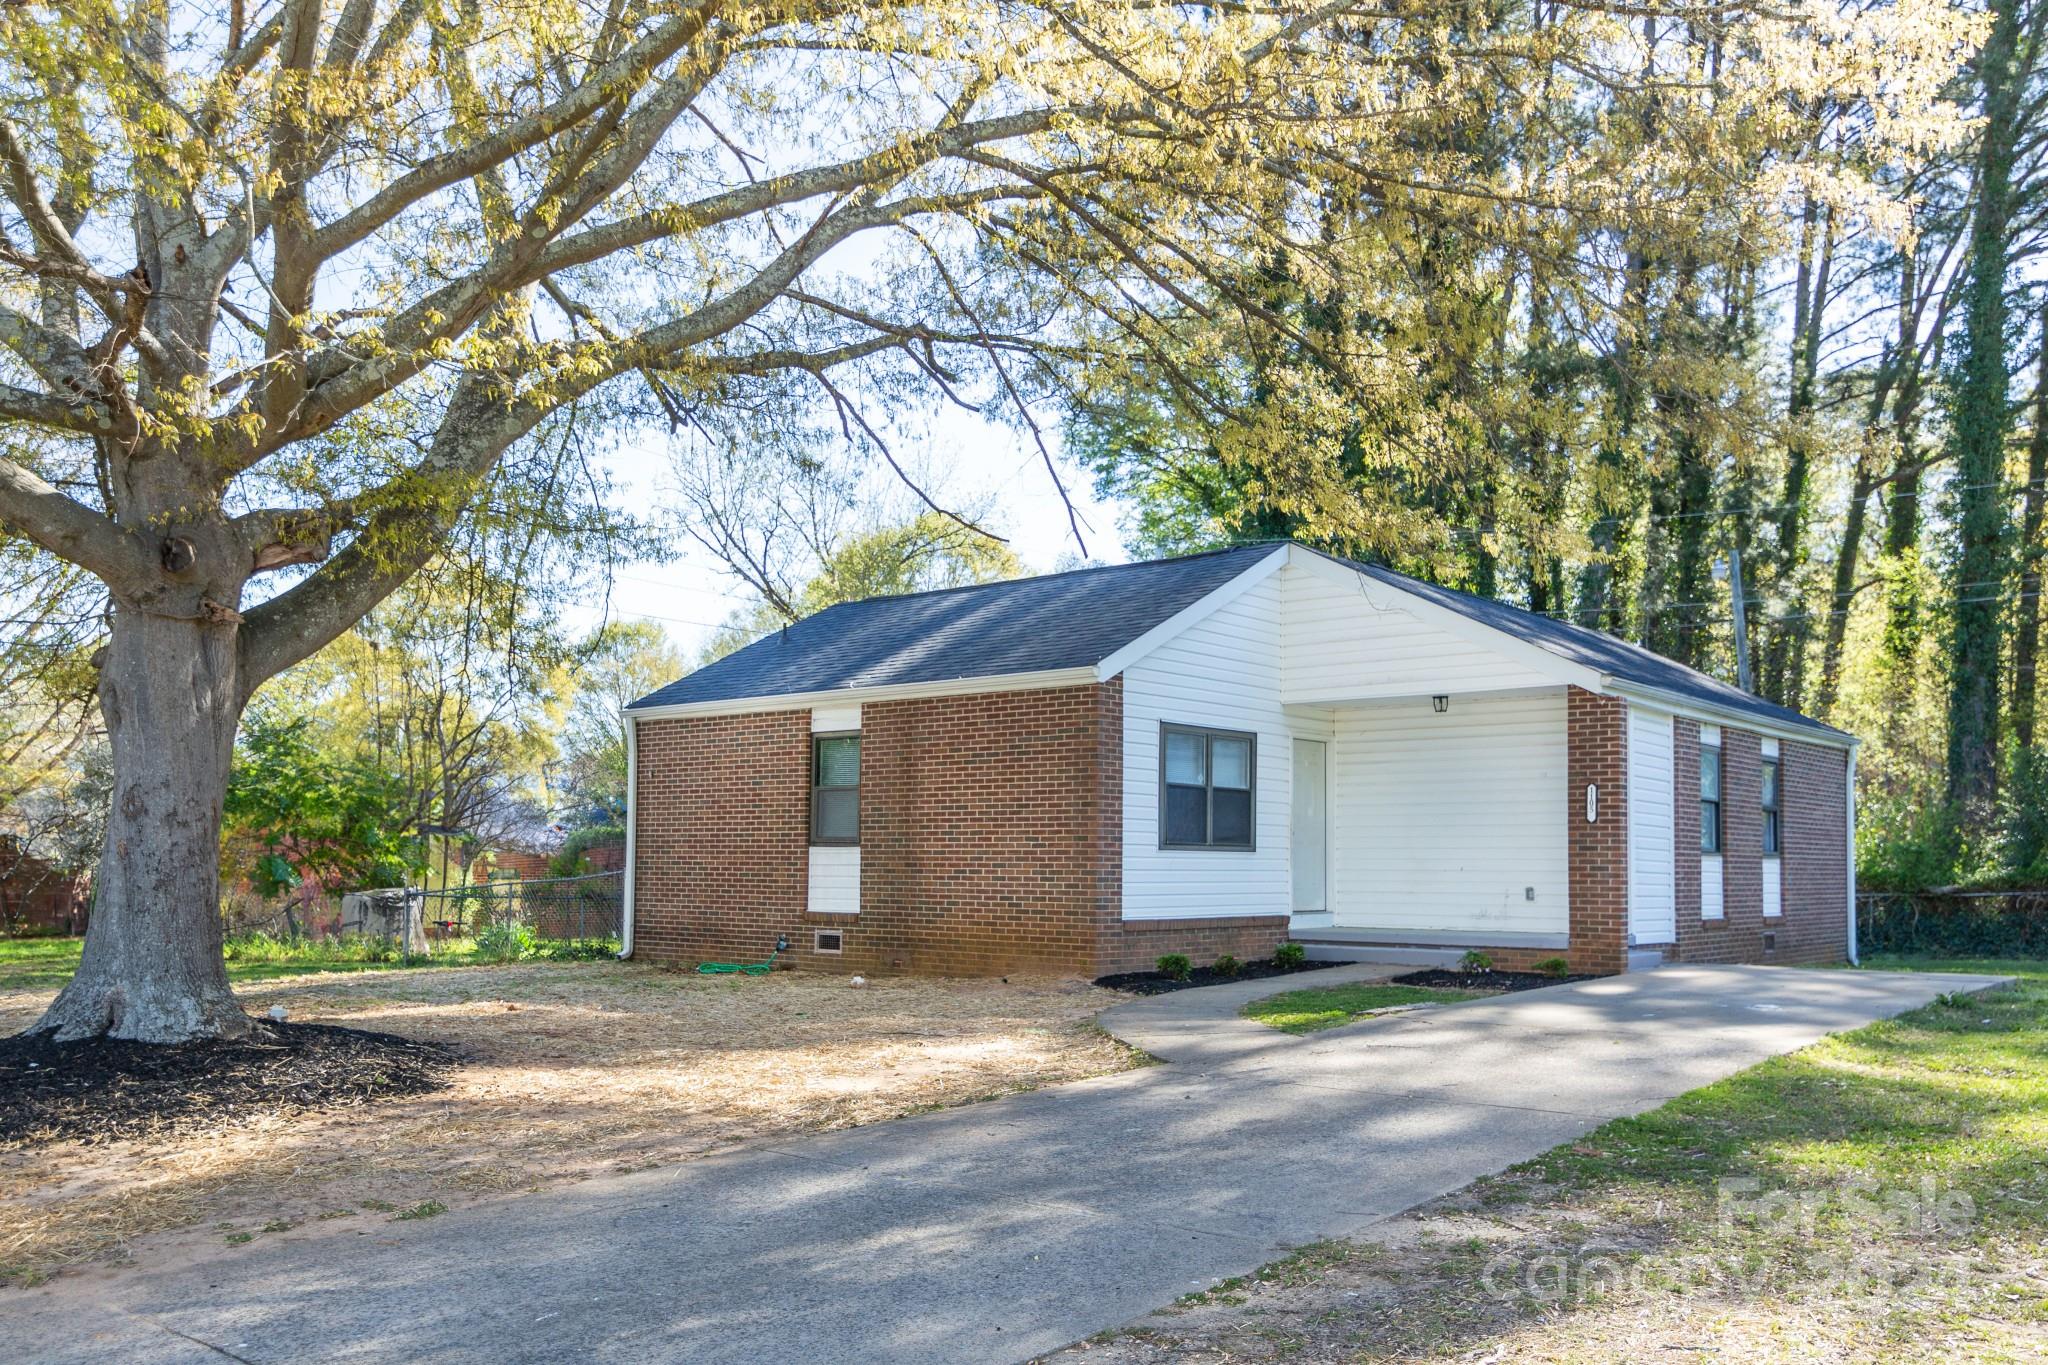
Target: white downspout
x=632 y=810
x=1849 y=802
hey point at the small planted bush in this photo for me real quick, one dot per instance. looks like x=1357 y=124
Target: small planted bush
x=505 y=942
x=1174 y=966
x=579 y=949
x=1475 y=961
x=1289 y=955
x=1554 y=966
x=1228 y=966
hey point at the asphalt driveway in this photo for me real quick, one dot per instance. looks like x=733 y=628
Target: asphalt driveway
x=985 y=1233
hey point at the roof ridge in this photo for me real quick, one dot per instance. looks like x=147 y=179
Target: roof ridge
x=1060 y=573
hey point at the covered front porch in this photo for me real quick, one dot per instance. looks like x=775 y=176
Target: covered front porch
x=1427 y=826
x=1449 y=790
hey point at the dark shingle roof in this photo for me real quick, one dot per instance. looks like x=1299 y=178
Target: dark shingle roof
x=1025 y=625
x=1078 y=619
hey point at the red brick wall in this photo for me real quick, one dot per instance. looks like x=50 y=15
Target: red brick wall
x=36 y=898
x=1134 y=945
x=1813 y=869
x=1814 y=834
x=721 y=856
x=1596 y=731
x=512 y=862
x=1685 y=837
x=990 y=831
x=990 y=836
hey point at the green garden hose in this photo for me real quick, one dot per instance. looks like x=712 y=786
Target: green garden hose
x=728 y=968
x=744 y=968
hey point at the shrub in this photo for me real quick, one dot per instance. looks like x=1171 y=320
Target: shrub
x=1554 y=966
x=258 y=946
x=507 y=942
x=2011 y=924
x=570 y=862
x=1228 y=966
x=579 y=949
x=1174 y=966
x=1289 y=955
x=1475 y=961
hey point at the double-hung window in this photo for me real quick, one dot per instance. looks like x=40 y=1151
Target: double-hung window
x=1710 y=798
x=1206 y=787
x=835 y=789
x=1770 y=804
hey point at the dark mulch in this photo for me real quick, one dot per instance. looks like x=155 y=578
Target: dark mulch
x=1159 y=983
x=102 y=1089
x=1486 y=981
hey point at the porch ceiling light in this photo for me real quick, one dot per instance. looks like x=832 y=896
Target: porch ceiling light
x=1440 y=703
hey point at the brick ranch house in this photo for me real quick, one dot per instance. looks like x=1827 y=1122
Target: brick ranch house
x=1212 y=754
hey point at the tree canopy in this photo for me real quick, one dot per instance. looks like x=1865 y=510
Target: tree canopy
x=290 y=294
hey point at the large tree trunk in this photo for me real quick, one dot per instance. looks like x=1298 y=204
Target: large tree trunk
x=2026 y=645
x=152 y=970
x=1978 y=422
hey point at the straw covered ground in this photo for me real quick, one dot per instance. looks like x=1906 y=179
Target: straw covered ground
x=564 y=1071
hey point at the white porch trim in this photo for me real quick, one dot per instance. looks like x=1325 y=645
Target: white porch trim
x=632 y=812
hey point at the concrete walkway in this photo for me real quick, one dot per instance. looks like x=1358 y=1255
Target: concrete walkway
x=1202 y=1027
x=986 y=1233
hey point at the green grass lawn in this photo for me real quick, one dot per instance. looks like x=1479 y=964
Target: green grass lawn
x=47 y=963
x=1327 y=1006
x=1625 y=1244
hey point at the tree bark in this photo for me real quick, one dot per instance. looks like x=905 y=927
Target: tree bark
x=152 y=968
x=2026 y=644
x=1979 y=421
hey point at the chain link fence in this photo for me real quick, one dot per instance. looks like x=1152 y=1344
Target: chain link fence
x=575 y=910
x=1953 y=923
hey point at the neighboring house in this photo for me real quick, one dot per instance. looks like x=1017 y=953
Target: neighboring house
x=1080 y=772
x=36 y=897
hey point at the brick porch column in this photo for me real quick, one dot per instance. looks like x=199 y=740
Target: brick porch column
x=1596 y=742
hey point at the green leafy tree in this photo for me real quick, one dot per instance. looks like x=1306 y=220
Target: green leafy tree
x=314 y=814
x=618 y=665
x=289 y=292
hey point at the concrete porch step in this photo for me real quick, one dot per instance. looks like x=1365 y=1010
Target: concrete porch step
x=1324 y=950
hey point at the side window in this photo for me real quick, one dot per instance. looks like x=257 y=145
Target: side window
x=835 y=789
x=1206 y=783
x=1710 y=798
x=1770 y=802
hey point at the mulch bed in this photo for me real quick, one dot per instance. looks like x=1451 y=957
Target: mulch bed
x=103 y=1089
x=1486 y=981
x=1159 y=983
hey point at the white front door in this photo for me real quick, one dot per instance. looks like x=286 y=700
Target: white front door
x=1311 y=827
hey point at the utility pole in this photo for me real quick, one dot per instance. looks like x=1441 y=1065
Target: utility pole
x=1742 y=673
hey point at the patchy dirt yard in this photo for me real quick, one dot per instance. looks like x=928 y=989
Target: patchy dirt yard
x=567 y=1071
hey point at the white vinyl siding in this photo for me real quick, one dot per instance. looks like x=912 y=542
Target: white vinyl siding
x=835 y=879
x=1774 y=888
x=1652 y=890
x=1223 y=673
x=1355 y=643
x=1442 y=822
x=835 y=720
